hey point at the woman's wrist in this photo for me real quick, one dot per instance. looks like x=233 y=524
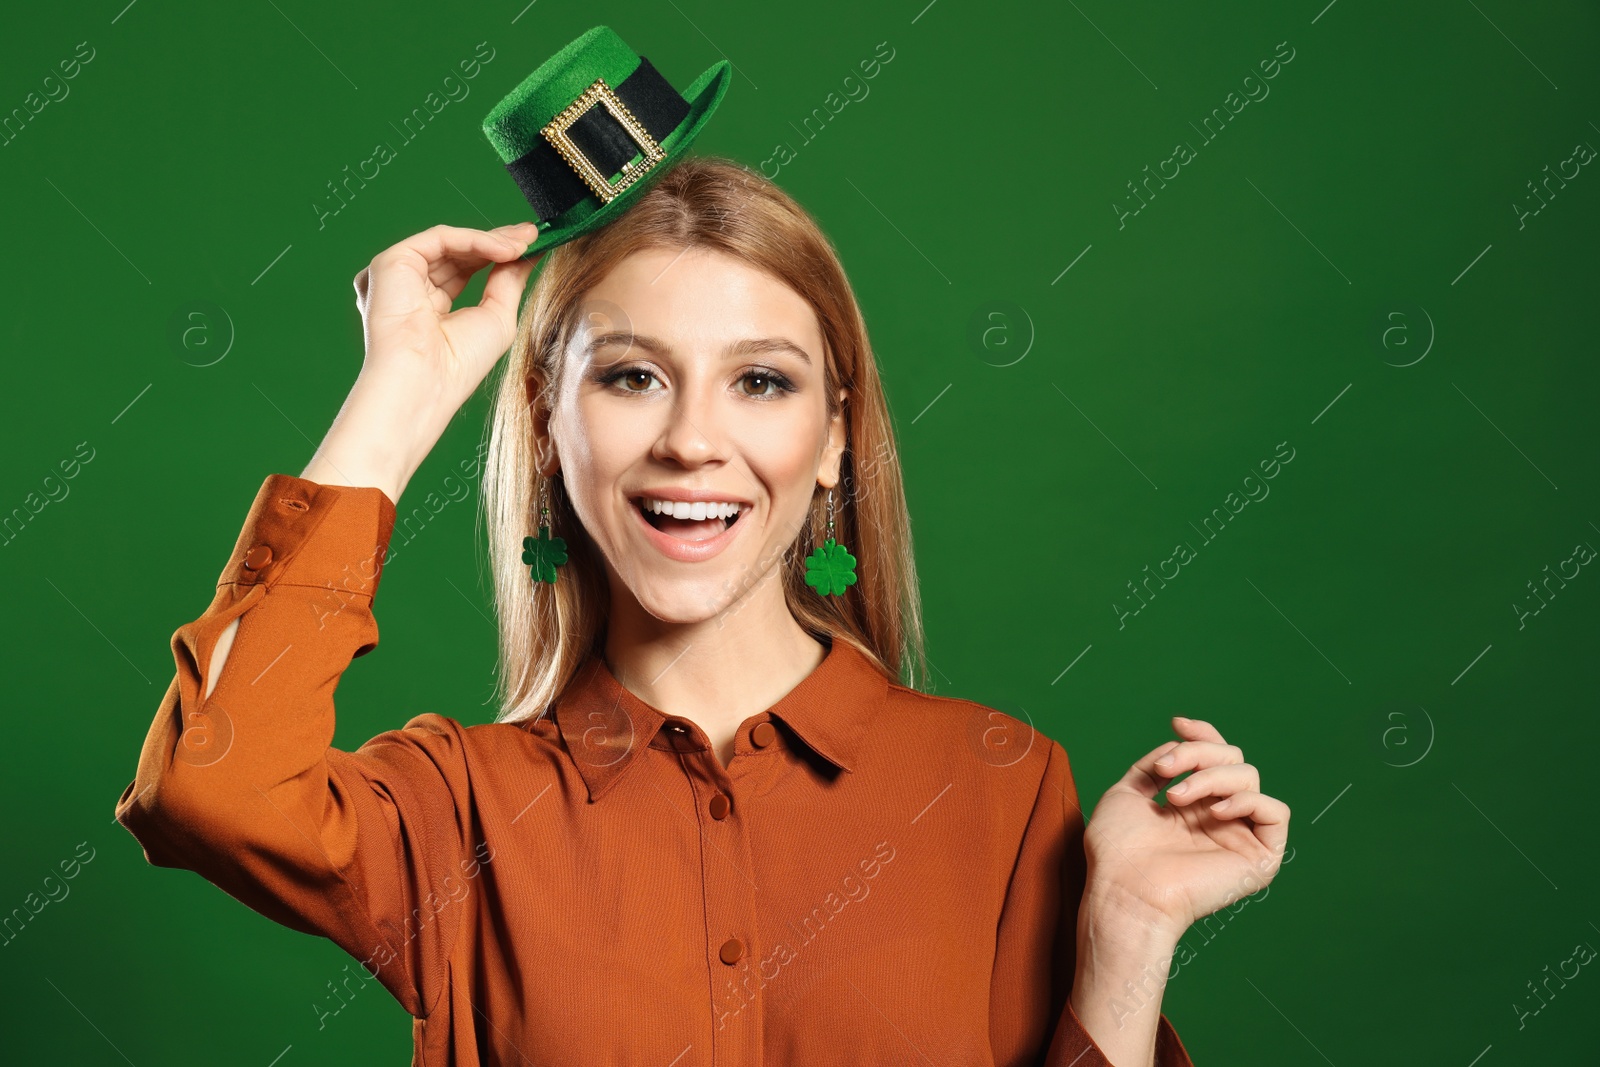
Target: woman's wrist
x=359 y=465
x=1112 y=936
x=1124 y=955
x=382 y=434
x=1109 y=909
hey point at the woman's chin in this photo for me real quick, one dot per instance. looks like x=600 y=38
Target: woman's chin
x=685 y=603
x=688 y=591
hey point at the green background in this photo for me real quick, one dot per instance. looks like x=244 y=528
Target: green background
x=1342 y=269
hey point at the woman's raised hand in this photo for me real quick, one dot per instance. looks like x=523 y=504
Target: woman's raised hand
x=423 y=360
x=405 y=296
x=1177 y=863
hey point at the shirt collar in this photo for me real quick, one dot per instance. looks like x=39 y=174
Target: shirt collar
x=606 y=727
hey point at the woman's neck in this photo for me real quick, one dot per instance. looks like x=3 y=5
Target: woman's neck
x=718 y=672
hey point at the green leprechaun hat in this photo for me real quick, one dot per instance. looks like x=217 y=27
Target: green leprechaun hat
x=584 y=134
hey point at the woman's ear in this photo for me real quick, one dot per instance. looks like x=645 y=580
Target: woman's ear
x=833 y=451
x=545 y=456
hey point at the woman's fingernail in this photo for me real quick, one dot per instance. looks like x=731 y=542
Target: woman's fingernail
x=1181 y=787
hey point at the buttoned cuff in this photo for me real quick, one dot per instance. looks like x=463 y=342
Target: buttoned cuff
x=352 y=527
x=1073 y=1046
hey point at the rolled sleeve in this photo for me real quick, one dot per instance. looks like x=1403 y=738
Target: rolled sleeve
x=243 y=786
x=1031 y=1016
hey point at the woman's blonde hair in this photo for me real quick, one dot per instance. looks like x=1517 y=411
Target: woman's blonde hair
x=546 y=631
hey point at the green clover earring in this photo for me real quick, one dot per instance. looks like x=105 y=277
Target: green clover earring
x=830 y=569
x=544 y=553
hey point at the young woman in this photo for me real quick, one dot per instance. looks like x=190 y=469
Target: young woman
x=715 y=821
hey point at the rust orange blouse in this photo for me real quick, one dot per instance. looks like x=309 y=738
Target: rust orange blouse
x=878 y=875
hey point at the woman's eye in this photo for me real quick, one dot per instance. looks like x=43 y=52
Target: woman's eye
x=631 y=380
x=766 y=385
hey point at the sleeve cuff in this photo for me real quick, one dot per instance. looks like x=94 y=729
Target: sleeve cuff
x=353 y=525
x=1073 y=1045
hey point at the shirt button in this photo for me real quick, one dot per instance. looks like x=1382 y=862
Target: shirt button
x=763 y=734
x=258 y=557
x=719 y=807
x=732 y=949
x=676 y=727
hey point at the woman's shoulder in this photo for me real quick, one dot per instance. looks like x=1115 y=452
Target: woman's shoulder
x=451 y=730
x=962 y=734
x=452 y=745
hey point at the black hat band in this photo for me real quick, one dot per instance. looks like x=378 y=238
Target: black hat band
x=552 y=186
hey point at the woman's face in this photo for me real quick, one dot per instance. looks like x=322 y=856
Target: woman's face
x=695 y=387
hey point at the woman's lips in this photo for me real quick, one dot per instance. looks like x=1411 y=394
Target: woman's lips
x=683 y=550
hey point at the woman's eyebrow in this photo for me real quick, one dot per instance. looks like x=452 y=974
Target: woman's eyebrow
x=747 y=346
x=753 y=345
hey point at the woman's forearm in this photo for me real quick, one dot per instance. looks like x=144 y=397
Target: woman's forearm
x=1121 y=973
x=377 y=439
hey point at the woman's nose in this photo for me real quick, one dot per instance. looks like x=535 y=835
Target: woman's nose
x=690 y=434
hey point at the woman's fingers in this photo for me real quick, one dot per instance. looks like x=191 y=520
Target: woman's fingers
x=502 y=293
x=1195 y=729
x=1202 y=746
x=442 y=242
x=1142 y=777
x=481 y=334
x=1215 y=782
x=1269 y=815
x=430 y=270
x=1193 y=755
x=448 y=256
x=454 y=268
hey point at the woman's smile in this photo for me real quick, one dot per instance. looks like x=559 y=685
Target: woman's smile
x=688 y=526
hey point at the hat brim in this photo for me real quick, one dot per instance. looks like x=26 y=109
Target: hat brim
x=703 y=96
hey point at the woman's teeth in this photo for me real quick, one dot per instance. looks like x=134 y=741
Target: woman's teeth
x=698 y=521
x=682 y=509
